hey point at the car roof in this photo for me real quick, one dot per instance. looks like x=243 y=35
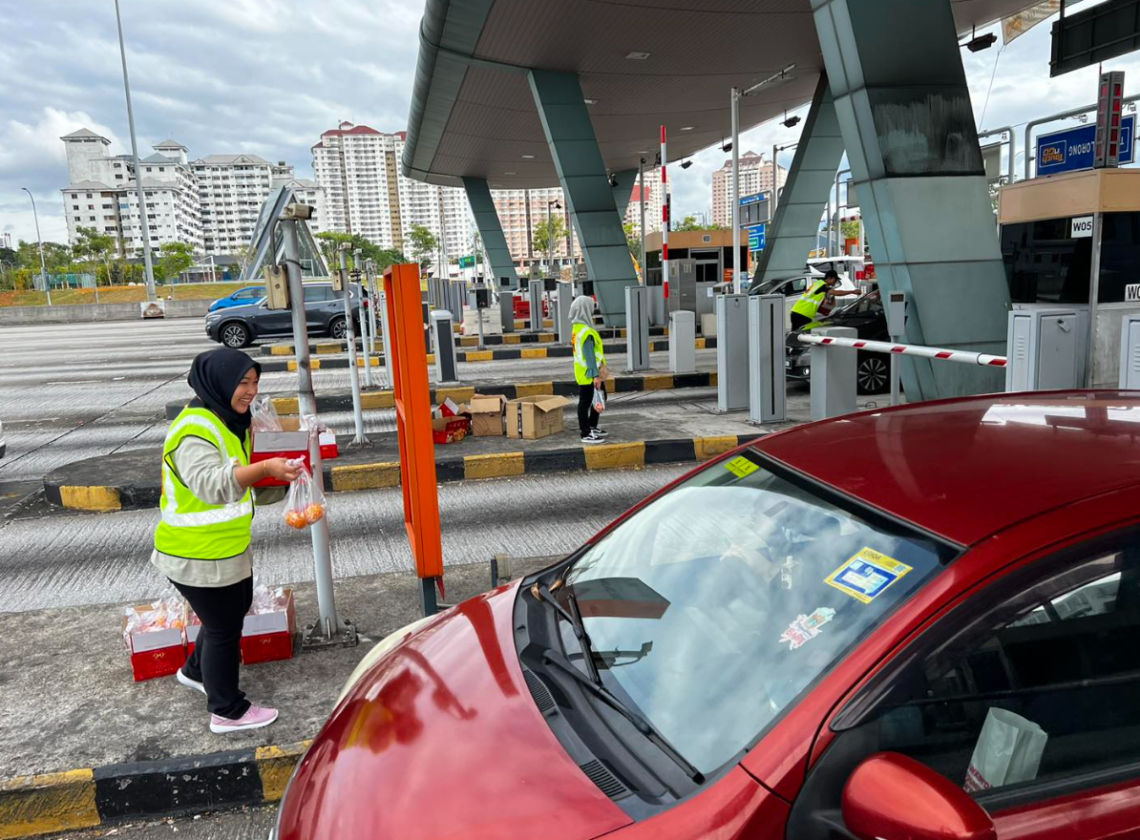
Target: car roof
x=967 y=468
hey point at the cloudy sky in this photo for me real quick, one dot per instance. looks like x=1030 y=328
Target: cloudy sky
x=268 y=76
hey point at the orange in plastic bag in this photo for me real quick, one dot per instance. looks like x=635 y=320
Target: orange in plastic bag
x=305 y=504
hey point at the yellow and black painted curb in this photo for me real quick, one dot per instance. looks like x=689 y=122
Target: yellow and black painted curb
x=91 y=797
x=322 y=348
x=500 y=354
x=375 y=400
x=379 y=475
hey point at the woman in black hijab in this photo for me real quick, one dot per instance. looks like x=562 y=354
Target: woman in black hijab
x=203 y=542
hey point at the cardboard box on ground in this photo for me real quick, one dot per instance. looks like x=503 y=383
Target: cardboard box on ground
x=535 y=417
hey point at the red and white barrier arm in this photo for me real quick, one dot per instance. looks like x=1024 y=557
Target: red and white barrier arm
x=963 y=356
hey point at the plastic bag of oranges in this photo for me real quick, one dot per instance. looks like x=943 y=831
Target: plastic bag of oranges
x=305 y=504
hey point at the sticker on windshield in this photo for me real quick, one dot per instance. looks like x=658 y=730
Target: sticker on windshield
x=867 y=575
x=741 y=466
x=806 y=627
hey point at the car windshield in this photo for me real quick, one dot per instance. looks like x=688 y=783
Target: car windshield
x=868 y=303
x=713 y=608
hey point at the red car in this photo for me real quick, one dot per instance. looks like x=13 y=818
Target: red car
x=917 y=623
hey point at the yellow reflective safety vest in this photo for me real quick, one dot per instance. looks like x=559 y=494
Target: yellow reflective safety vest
x=190 y=527
x=811 y=300
x=579 y=333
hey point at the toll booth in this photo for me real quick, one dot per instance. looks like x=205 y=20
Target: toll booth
x=699 y=260
x=1073 y=240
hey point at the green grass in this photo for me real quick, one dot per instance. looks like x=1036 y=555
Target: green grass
x=121 y=294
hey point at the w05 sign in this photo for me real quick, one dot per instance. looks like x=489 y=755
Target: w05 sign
x=1075 y=148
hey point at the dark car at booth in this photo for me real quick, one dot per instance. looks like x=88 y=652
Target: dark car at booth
x=787 y=645
x=868 y=318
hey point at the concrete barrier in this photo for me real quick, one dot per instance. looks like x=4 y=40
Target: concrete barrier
x=87 y=312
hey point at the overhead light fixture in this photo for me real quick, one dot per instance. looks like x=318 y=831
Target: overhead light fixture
x=509 y=173
x=790 y=122
x=613 y=182
x=726 y=147
x=685 y=164
x=638 y=56
x=977 y=43
x=687 y=127
x=528 y=157
x=590 y=101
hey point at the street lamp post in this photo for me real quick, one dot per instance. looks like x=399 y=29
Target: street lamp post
x=143 y=223
x=737 y=95
x=39 y=239
x=550 y=236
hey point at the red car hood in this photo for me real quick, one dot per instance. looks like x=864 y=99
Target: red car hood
x=441 y=739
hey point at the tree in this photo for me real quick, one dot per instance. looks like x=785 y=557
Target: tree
x=547 y=237
x=423 y=244
x=389 y=256
x=330 y=242
x=850 y=229
x=691 y=223
x=176 y=258
x=96 y=246
x=244 y=256
x=633 y=240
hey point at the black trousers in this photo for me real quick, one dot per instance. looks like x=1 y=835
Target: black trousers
x=217 y=653
x=587 y=414
x=799 y=320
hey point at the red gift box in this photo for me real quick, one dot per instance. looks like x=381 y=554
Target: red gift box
x=291 y=443
x=450 y=429
x=157 y=650
x=267 y=635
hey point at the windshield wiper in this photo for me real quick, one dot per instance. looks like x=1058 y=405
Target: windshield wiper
x=643 y=726
x=575 y=620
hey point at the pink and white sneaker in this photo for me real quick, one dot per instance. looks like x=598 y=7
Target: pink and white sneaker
x=255 y=717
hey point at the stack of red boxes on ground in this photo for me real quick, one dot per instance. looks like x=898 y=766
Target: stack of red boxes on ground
x=162 y=634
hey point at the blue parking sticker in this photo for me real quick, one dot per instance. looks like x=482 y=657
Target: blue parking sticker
x=867 y=575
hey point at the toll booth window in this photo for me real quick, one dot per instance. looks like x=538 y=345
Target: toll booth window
x=1044 y=264
x=1120 y=255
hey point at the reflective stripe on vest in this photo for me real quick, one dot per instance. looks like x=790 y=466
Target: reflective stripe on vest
x=811 y=300
x=579 y=333
x=191 y=527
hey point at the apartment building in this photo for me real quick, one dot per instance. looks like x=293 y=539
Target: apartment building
x=211 y=203
x=755 y=177
x=101 y=193
x=358 y=168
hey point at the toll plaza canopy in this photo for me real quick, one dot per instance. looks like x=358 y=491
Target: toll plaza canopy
x=641 y=64
x=514 y=94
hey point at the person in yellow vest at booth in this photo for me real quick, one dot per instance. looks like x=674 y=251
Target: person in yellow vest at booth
x=202 y=543
x=589 y=364
x=806 y=308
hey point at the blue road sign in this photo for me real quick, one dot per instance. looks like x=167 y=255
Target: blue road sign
x=757 y=237
x=1075 y=148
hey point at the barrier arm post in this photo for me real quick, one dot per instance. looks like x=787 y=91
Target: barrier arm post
x=408 y=353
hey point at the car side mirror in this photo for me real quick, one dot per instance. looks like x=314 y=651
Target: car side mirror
x=891 y=795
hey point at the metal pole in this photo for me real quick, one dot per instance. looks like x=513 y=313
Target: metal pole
x=735 y=191
x=374 y=303
x=549 y=243
x=354 y=376
x=775 y=185
x=39 y=239
x=364 y=342
x=329 y=625
x=664 y=220
x=1094 y=297
x=150 y=293
x=641 y=187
